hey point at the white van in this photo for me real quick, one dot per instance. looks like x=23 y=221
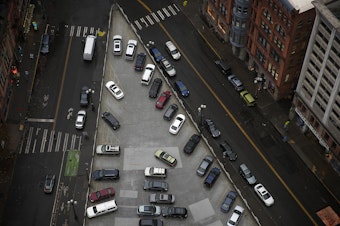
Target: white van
x=102 y=208
x=131 y=49
x=90 y=44
x=148 y=74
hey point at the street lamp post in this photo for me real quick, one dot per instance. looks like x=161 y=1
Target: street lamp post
x=72 y=203
x=200 y=113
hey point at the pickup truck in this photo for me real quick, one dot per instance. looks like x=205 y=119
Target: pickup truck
x=212 y=177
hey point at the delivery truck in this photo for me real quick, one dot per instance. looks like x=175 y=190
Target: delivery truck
x=90 y=45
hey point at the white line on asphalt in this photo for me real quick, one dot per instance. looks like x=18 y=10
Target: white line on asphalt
x=85 y=32
x=34 y=145
x=175 y=6
x=150 y=20
x=72 y=31
x=50 y=143
x=160 y=14
x=57 y=146
x=73 y=141
x=172 y=10
x=138 y=25
x=166 y=12
x=78 y=31
x=39 y=120
x=143 y=21
x=155 y=17
x=65 y=142
x=29 y=139
x=92 y=30
x=43 y=141
x=79 y=144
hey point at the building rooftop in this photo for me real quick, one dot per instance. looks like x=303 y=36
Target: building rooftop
x=334 y=7
x=301 y=5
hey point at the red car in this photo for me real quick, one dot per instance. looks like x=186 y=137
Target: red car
x=102 y=194
x=163 y=98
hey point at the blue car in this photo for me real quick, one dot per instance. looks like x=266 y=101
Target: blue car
x=181 y=88
x=156 y=54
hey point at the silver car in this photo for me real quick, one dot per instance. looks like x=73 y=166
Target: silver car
x=148 y=210
x=162 y=198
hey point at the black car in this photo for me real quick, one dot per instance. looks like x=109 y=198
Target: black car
x=177 y=212
x=223 y=67
x=228 y=201
x=155 y=87
x=140 y=61
x=192 y=143
x=170 y=112
x=211 y=127
x=228 y=151
x=155 y=185
x=212 y=177
x=106 y=174
x=84 y=96
x=150 y=222
x=49 y=184
x=181 y=88
x=156 y=54
x=111 y=120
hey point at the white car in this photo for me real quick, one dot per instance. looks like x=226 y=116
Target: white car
x=264 y=195
x=108 y=149
x=172 y=50
x=168 y=68
x=117 y=45
x=80 y=120
x=177 y=124
x=236 y=216
x=131 y=49
x=114 y=90
x=155 y=172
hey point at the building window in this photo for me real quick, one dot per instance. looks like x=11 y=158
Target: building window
x=267 y=15
x=281 y=31
x=260 y=56
x=272 y=70
x=265 y=28
x=299 y=25
x=273 y=54
x=223 y=10
x=263 y=41
x=279 y=43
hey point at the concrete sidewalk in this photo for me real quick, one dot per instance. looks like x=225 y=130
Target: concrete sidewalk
x=306 y=146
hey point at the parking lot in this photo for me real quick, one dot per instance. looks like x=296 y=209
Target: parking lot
x=143 y=130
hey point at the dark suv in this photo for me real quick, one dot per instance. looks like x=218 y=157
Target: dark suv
x=111 y=120
x=224 y=67
x=170 y=112
x=155 y=87
x=182 y=89
x=177 y=212
x=106 y=174
x=228 y=151
x=192 y=143
x=156 y=54
x=140 y=61
x=212 y=177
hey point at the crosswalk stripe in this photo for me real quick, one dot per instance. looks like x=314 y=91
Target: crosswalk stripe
x=65 y=142
x=150 y=20
x=143 y=21
x=43 y=141
x=34 y=145
x=73 y=141
x=138 y=25
x=155 y=17
x=176 y=7
x=92 y=30
x=85 y=32
x=29 y=138
x=57 y=146
x=166 y=12
x=160 y=14
x=78 y=31
x=50 y=143
x=172 y=10
x=72 y=31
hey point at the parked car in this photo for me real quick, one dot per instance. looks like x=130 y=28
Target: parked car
x=166 y=157
x=131 y=49
x=155 y=53
x=247 y=174
x=162 y=198
x=148 y=74
x=114 y=90
x=170 y=112
x=248 y=98
x=168 y=68
x=106 y=174
x=177 y=124
x=211 y=127
x=150 y=222
x=108 y=149
x=117 y=45
x=223 y=67
x=155 y=87
x=204 y=166
x=140 y=61
x=172 y=50
x=175 y=212
x=155 y=185
x=212 y=177
x=181 y=88
x=102 y=194
x=235 y=218
x=228 y=201
x=49 y=183
x=228 y=151
x=148 y=210
x=101 y=208
x=163 y=99
x=45 y=44
x=80 y=120
x=111 y=120
x=264 y=195
x=192 y=143
x=84 y=96
x=155 y=172
x=236 y=82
